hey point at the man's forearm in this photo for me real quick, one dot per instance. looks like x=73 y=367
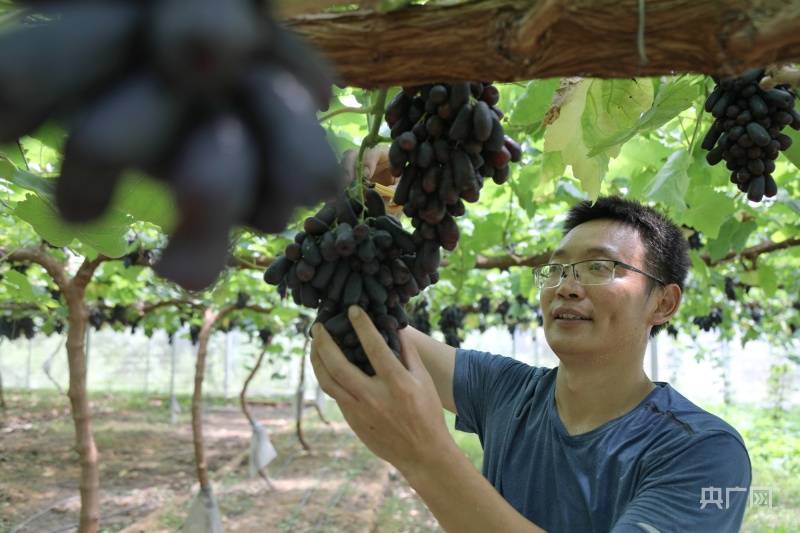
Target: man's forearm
x=462 y=499
x=439 y=360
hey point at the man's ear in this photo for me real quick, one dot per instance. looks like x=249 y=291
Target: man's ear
x=667 y=304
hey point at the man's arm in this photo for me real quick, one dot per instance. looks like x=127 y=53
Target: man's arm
x=439 y=360
x=398 y=415
x=462 y=499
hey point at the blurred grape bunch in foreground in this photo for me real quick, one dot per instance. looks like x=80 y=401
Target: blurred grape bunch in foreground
x=211 y=96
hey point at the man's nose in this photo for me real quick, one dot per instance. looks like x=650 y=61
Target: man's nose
x=569 y=285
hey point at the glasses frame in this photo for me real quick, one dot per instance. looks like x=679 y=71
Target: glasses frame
x=566 y=266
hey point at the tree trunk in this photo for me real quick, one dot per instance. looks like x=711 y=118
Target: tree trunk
x=2 y=394
x=301 y=389
x=507 y=40
x=209 y=318
x=173 y=402
x=81 y=414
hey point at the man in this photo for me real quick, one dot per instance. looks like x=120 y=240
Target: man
x=591 y=445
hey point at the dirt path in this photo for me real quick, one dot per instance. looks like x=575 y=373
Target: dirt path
x=147 y=474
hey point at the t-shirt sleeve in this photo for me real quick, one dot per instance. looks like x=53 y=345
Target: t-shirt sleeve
x=481 y=383
x=702 y=488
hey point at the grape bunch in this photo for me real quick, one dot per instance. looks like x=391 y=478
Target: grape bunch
x=14 y=328
x=710 y=321
x=352 y=254
x=451 y=322
x=447 y=138
x=730 y=289
x=212 y=97
x=747 y=131
x=420 y=318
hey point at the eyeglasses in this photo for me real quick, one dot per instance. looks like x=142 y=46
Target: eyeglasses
x=587 y=272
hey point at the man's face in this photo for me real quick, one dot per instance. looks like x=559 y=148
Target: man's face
x=616 y=312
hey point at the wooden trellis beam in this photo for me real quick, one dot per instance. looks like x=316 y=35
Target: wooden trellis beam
x=506 y=40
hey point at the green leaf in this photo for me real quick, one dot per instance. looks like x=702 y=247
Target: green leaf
x=793 y=153
x=44 y=187
x=524 y=186
x=7 y=167
x=19 y=287
x=669 y=184
x=565 y=135
x=699 y=266
x=670 y=100
x=106 y=235
x=146 y=199
x=768 y=279
x=709 y=209
x=44 y=220
x=741 y=232
x=552 y=167
x=534 y=102
x=612 y=107
x=488 y=231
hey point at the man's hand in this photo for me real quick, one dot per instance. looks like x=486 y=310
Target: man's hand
x=396 y=413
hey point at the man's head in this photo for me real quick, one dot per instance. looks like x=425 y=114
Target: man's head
x=619 y=315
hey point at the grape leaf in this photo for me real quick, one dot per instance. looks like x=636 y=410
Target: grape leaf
x=146 y=199
x=671 y=99
x=767 y=278
x=107 y=235
x=530 y=107
x=524 y=186
x=565 y=135
x=44 y=187
x=669 y=184
x=613 y=106
x=708 y=210
x=793 y=153
x=19 y=288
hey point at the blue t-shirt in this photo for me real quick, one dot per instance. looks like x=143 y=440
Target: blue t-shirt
x=666 y=465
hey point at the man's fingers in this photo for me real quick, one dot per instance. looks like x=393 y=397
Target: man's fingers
x=344 y=373
x=348 y=165
x=380 y=356
x=326 y=381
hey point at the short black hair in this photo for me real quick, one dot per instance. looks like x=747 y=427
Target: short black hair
x=666 y=249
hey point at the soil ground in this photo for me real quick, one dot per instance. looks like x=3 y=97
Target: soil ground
x=147 y=474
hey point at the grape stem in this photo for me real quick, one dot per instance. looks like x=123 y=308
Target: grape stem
x=371 y=139
x=343 y=110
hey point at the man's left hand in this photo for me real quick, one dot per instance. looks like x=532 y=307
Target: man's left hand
x=397 y=413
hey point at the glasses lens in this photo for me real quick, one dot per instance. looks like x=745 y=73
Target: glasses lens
x=548 y=276
x=595 y=272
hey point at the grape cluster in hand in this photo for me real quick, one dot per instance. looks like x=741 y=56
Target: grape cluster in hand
x=747 y=131
x=211 y=96
x=352 y=254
